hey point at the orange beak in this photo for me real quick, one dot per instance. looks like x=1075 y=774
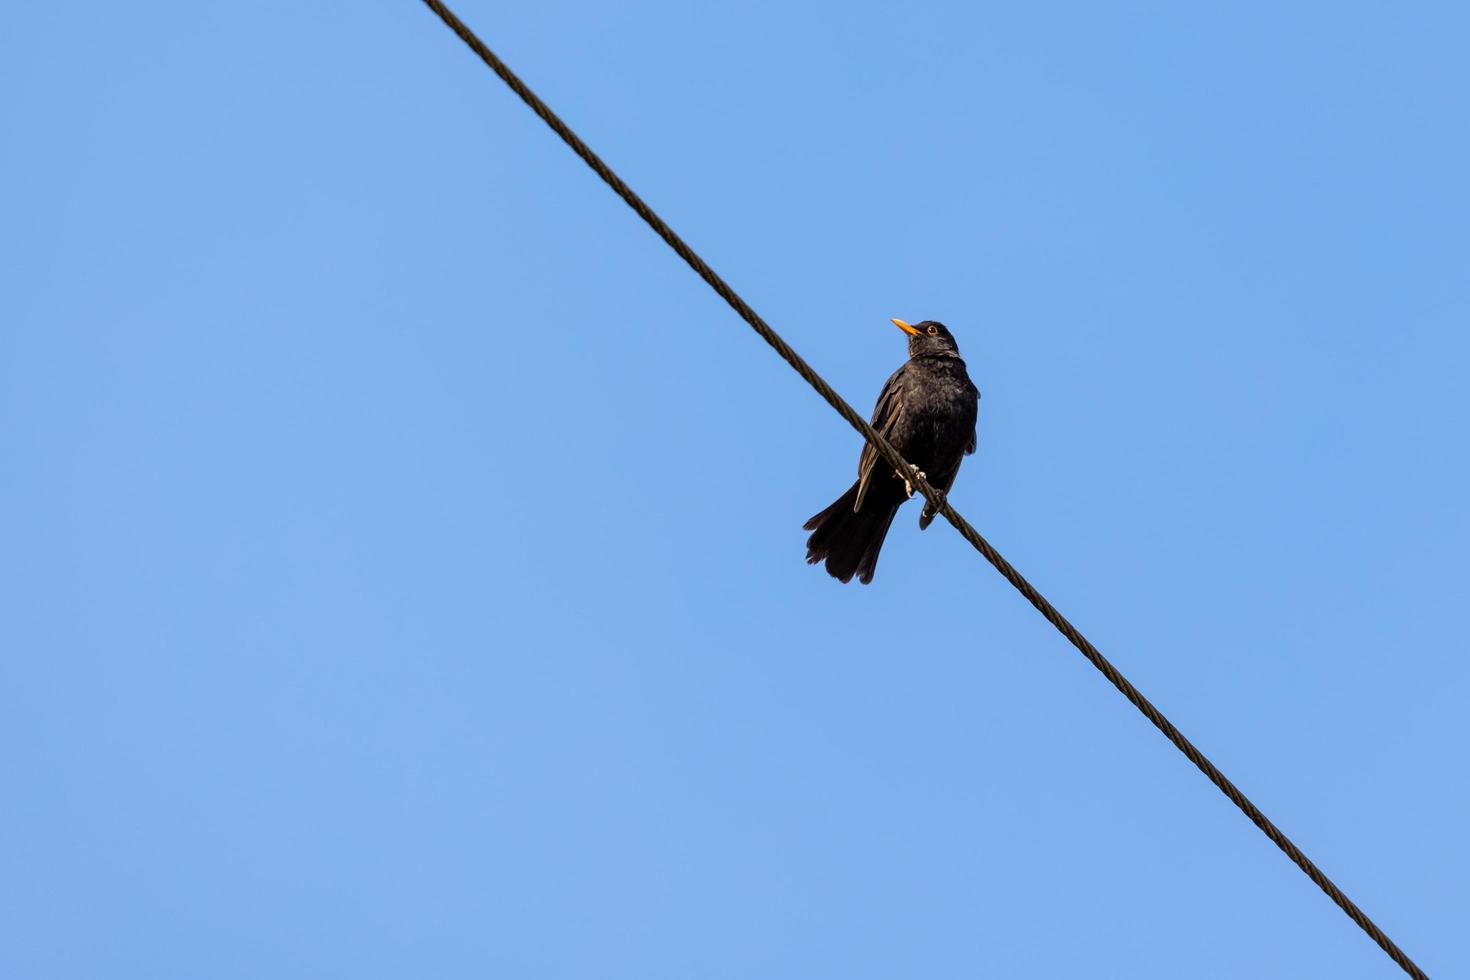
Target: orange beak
x=905 y=327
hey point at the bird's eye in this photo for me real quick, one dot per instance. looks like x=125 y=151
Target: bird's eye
x=933 y=331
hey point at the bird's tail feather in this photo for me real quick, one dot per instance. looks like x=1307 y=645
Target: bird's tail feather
x=847 y=540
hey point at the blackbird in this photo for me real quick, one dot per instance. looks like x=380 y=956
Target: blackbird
x=927 y=412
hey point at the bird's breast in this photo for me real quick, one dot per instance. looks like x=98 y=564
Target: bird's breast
x=939 y=407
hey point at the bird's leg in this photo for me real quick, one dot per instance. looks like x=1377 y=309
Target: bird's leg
x=908 y=485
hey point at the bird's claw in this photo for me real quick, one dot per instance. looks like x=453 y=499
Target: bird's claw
x=908 y=485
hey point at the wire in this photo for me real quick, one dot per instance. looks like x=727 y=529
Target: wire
x=934 y=497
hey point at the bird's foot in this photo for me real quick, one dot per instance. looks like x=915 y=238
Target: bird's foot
x=908 y=484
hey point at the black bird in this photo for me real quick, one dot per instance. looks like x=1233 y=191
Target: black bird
x=927 y=411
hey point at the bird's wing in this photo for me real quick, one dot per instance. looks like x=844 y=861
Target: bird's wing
x=885 y=414
x=970 y=446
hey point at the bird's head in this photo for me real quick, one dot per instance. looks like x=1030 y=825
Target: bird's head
x=929 y=337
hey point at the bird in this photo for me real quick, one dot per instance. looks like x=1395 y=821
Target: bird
x=927 y=411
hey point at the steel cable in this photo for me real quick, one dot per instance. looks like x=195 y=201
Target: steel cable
x=770 y=336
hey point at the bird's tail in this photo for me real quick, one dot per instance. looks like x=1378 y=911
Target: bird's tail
x=849 y=540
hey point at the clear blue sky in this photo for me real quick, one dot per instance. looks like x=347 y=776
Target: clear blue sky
x=402 y=550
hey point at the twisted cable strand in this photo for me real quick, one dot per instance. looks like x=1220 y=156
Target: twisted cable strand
x=934 y=497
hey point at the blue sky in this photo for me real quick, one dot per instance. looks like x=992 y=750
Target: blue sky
x=403 y=556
